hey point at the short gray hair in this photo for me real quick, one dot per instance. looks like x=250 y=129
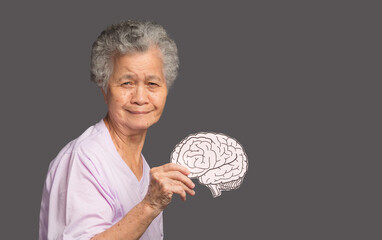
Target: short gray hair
x=129 y=37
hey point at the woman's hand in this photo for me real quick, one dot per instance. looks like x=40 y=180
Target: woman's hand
x=164 y=182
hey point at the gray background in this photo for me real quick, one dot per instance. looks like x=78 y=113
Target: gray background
x=296 y=83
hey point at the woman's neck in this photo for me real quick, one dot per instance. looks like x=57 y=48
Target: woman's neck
x=128 y=145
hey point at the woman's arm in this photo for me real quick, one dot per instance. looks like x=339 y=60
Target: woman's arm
x=132 y=225
x=164 y=182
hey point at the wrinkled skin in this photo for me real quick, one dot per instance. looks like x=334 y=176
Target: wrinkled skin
x=164 y=182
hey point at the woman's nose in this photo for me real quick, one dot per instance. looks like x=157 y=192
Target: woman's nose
x=139 y=96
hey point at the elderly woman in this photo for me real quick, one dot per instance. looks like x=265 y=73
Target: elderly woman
x=100 y=185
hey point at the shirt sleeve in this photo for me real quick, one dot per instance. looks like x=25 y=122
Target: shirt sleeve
x=89 y=206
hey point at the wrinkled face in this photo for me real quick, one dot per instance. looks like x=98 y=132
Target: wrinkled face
x=137 y=90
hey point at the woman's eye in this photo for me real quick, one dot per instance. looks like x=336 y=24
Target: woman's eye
x=153 y=84
x=127 y=83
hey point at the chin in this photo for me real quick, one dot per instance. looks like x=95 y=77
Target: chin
x=140 y=127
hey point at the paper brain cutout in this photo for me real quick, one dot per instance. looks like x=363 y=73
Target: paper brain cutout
x=218 y=161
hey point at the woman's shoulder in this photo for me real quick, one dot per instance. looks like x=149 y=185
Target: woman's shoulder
x=77 y=159
x=92 y=138
x=87 y=144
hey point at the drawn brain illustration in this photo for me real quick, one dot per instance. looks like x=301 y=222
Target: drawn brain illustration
x=216 y=160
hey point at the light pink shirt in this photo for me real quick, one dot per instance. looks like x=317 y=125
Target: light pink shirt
x=89 y=188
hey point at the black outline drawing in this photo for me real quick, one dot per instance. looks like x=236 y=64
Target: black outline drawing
x=215 y=159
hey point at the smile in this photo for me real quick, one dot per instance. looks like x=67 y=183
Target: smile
x=138 y=112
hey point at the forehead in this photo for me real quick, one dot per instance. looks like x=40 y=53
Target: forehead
x=145 y=66
x=150 y=59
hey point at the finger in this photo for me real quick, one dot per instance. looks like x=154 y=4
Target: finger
x=176 y=175
x=183 y=196
x=180 y=188
x=176 y=167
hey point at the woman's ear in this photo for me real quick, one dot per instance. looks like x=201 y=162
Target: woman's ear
x=104 y=95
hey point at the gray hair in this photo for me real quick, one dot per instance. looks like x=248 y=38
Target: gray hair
x=129 y=37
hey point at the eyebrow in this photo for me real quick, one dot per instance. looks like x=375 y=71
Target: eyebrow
x=129 y=76
x=153 y=77
x=132 y=76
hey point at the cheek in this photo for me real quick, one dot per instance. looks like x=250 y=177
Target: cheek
x=161 y=102
x=159 y=98
x=119 y=99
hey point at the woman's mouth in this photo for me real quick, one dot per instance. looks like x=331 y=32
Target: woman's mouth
x=138 y=112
